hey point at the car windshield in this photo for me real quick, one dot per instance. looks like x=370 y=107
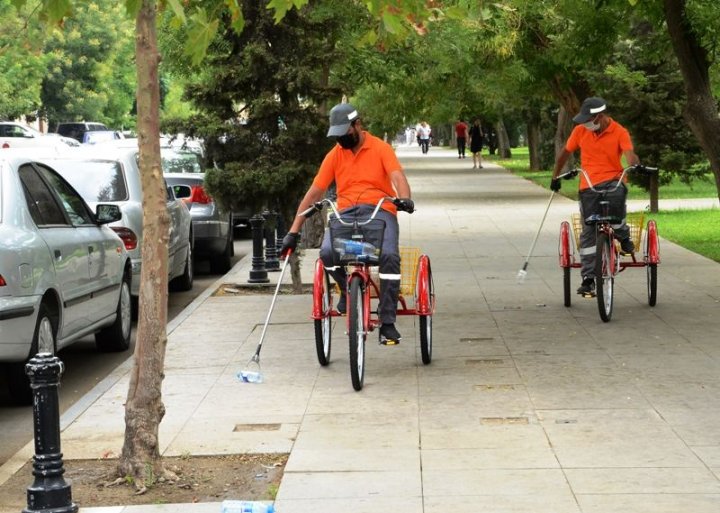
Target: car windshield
x=180 y=162
x=95 y=180
x=99 y=136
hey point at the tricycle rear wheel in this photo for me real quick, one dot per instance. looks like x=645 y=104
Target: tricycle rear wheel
x=426 y=320
x=652 y=284
x=566 y=286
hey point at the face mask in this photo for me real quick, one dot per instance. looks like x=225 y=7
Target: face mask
x=348 y=141
x=592 y=126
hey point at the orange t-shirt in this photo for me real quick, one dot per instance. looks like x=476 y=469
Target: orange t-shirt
x=600 y=153
x=361 y=178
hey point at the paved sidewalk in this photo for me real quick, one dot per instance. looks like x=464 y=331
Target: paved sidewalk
x=527 y=406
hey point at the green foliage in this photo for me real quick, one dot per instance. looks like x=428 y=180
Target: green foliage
x=90 y=72
x=22 y=63
x=257 y=96
x=645 y=92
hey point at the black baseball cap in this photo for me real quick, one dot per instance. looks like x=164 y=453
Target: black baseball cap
x=341 y=116
x=590 y=108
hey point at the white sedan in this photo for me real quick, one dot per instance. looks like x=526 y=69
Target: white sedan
x=110 y=174
x=63 y=273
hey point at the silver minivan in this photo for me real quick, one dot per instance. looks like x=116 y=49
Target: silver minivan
x=63 y=273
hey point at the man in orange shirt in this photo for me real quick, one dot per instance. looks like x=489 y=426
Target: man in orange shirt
x=364 y=169
x=601 y=141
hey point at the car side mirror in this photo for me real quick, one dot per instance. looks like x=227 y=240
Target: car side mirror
x=106 y=213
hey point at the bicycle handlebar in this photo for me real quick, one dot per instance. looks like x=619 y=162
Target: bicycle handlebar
x=638 y=168
x=317 y=207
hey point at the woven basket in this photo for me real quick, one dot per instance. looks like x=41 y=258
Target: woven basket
x=634 y=221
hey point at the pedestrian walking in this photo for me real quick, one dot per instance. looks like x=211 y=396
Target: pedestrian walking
x=476 y=143
x=424 y=134
x=461 y=129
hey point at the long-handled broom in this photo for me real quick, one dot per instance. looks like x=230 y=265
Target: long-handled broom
x=522 y=273
x=252 y=373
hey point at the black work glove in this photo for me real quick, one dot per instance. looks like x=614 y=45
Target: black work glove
x=405 y=204
x=555 y=184
x=289 y=244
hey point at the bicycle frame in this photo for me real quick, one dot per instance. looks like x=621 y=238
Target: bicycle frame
x=361 y=287
x=608 y=257
x=651 y=253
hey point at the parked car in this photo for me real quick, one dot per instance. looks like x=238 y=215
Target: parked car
x=212 y=227
x=63 y=273
x=109 y=174
x=99 y=136
x=77 y=129
x=17 y=135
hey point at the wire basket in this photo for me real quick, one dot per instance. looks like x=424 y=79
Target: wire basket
x=634 y=221
x=409 y=258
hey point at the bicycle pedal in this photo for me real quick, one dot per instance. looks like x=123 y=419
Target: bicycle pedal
x=588 y=295
x=388 y=342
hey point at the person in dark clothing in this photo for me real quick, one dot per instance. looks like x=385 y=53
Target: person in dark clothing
x=476 y=143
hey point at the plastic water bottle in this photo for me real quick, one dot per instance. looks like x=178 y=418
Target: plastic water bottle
x=230 y=506
x=249 y=376
x=355 y=247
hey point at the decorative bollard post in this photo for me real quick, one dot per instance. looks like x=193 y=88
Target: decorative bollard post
x=49 y=493
x=271 y=256
x=258 y=273
x=280 y=232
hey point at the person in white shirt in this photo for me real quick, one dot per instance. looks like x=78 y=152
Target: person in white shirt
x=424 y=133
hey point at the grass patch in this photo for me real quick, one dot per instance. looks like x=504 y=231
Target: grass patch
x=696 y=230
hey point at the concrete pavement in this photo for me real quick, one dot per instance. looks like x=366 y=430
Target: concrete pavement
x=527 y=406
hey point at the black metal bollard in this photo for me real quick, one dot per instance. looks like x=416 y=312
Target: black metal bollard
x=258 y=273
x=271 y=255
x=280 y=232
x=49 y=493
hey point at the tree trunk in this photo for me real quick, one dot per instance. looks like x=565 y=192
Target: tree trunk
x=144 y=408
x=654 y=193
x=503 y=141
x=701 y=112
x=533 y=141
x=562 y=131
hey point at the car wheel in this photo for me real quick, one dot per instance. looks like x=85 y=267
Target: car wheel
x=43 y=342
x=116 y=337
x=220 y=264
x=184 y=282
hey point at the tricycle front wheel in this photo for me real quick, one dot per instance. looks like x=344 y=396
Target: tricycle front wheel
x=604 y=276
x=357 y=332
